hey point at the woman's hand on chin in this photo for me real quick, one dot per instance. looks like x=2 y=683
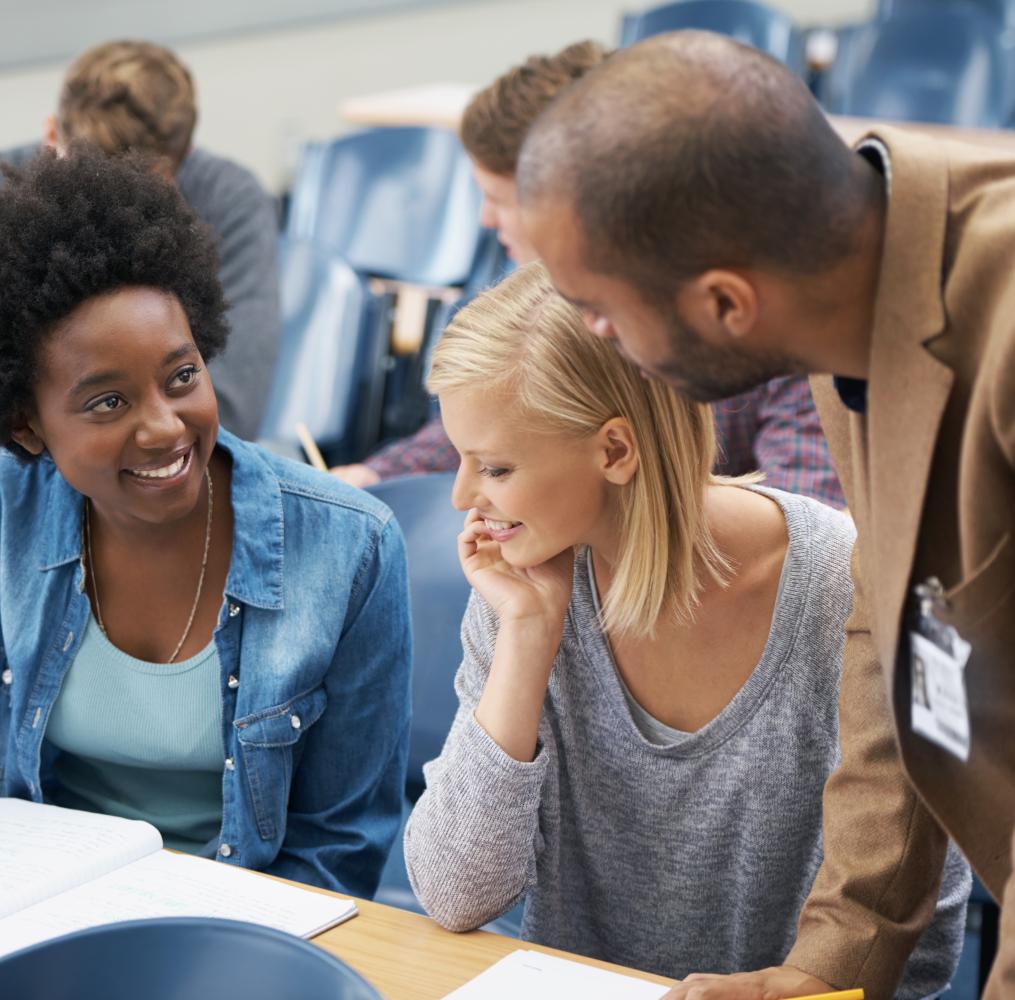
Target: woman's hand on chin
x=536 y=594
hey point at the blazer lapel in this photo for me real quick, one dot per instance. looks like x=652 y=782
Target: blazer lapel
x=908 y=388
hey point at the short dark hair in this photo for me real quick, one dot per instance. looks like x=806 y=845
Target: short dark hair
x=126 y=95
x=497 y=119
x=83 y=225
x=691 y=151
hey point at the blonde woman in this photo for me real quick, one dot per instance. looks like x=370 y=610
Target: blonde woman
x=648 y=697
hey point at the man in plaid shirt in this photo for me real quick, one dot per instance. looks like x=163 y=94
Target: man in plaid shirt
x=774 y=428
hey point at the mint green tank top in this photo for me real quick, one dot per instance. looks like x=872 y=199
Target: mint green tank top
x=142 y=740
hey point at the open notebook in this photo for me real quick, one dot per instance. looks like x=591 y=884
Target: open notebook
x=62 y=870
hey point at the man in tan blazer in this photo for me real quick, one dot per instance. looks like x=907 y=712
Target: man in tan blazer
x=692 y=199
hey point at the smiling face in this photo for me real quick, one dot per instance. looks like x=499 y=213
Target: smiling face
x=500 y=211
x=125 y=407
x=662 y=342
x=539 y=492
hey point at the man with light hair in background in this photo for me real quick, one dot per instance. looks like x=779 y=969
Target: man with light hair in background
x=691 y=198
x=137 y=96
x=773 y=427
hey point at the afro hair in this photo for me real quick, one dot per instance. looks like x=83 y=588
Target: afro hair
x=83 y=225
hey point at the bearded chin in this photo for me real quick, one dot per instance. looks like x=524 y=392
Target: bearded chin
x=706 y=372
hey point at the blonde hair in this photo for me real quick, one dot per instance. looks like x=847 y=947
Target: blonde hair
x=523 y=338
x=495 y=123
x=129 y=95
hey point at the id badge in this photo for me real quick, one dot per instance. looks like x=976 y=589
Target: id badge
x=937 y=667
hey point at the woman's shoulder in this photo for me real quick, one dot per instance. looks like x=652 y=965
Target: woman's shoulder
x=29 y=483
x=816 y=585
x=303 y=486
x=813 y=525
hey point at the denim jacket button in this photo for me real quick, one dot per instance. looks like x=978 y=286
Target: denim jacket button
x=230 y=764
x=233 y=682
x=225 y=850
x=7 y=677
x=234 y=610
x=295 y=721
x=68 y=641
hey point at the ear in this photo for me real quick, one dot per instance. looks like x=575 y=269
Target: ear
x=50 y=133
x=26 y=433
x=618 y=451
x=723 y=302
x=162 y=167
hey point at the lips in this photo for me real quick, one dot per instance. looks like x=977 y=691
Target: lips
x=500 y=525
x=502 y=531
x=167 y=468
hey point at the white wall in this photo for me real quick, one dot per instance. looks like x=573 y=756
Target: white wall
x=260 y=94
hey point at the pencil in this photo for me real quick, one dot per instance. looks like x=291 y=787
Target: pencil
x=310 y=447
x=839 y=995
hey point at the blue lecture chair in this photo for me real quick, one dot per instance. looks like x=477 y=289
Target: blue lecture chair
x=749 y=22
x=408 y=404
x=179 y=958
x=439 y=593
x=330 y=369
x=399 y=203
x=939 y=63
x=1003 y=11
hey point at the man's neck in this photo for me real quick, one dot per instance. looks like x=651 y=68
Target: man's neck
x=836 y=308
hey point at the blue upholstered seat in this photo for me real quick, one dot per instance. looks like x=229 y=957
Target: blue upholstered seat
x=932 y=62
x=747 y=21
x=396 y=202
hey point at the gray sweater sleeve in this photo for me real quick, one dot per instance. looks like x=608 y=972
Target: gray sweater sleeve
x=473 y=837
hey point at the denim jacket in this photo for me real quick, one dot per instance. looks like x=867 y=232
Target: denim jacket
x=314 y=643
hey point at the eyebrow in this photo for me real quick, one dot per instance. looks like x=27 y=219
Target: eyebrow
x=475 y=452
x=577 y=303
x=112 y=375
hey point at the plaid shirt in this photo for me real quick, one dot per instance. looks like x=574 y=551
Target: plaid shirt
x=774 y=428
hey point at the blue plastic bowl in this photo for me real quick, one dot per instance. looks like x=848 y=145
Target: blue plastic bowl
x=179 y=958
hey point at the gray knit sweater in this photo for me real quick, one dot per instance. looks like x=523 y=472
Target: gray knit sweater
x=692 y=856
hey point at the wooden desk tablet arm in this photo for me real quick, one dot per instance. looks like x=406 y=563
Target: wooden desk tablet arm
x=877 y=888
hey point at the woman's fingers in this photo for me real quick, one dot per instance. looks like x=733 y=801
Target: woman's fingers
x=474 y=536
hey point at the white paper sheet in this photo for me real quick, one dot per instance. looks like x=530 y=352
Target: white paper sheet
x=535 y=976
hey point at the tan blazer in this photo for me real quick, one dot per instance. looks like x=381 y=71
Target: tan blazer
x=929 y=475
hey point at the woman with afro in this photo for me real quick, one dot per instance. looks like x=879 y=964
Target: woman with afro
x=193 y=632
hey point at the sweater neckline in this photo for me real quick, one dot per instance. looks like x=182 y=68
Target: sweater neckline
x=594 y=645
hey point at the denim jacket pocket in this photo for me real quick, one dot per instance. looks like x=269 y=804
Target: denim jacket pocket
x=267 y=742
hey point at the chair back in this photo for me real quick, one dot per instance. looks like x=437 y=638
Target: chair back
x=938 y=63
x=438 y=592
x=747 y=21
x=179 y=958
x=395 y=202
x=1003 y=11
x=330 y=369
